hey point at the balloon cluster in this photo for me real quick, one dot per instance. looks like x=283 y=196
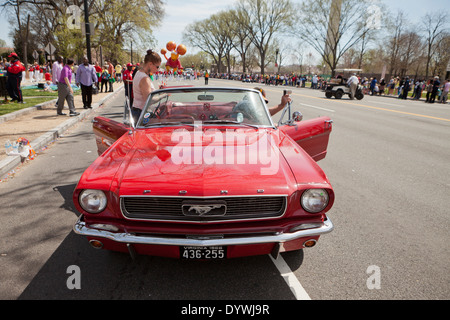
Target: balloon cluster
x=173 y=62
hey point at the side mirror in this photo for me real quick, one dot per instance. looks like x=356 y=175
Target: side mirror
x=297 y=116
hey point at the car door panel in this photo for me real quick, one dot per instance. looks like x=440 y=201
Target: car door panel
x=107 y=131
x=312 y=135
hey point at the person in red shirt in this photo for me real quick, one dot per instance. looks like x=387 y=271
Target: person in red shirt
x=128 y=82
x=98 y=71
x=47 y=76
x=14 y=73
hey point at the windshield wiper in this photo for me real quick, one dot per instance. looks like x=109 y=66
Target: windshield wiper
x=233 y=122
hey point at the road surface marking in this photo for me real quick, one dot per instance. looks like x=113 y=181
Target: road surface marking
x=290 y=278
x=391 y=104
x=397 y=111
x=378 y=108
x=358 y=104
x=308 y=105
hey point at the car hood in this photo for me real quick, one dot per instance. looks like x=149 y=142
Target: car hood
x=211 y=162
x=193 y=162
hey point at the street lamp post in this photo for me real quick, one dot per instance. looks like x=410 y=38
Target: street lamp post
x=88 y=31
x=276 y=60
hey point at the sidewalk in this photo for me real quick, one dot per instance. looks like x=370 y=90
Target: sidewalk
x=41 y=125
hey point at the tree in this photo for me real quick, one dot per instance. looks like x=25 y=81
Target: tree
x=199 y=60
x=239 y=27
x=266 y=19
x=115 y=23
x=441 y=57
x=333 y=26
x=119 y=21
x=410 y=51
x=210 y=35
x=396 y=26
x=23 y=32
x=225 y=19
x=434 y=25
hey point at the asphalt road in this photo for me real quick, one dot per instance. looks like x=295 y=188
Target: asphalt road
x=388 y=161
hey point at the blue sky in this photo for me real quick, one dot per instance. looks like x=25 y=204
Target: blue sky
x=180 y=13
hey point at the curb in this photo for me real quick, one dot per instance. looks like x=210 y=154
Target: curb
x=15 y=114
x=10 y=163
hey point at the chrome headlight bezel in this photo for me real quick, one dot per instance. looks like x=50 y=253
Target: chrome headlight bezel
x=314 y=200
x=92 y=200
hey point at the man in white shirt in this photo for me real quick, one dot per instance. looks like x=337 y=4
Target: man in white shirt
x=56 y=69
x=314 y=82
x=353 y=82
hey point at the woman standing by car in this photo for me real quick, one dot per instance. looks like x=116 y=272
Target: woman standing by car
x=142 y=85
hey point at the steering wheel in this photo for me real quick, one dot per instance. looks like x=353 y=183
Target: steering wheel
x=238 y=109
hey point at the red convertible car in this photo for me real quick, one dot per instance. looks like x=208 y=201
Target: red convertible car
x=204 y=173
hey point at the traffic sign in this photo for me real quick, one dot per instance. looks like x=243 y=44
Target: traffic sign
x=35 y=54
x=50 y=49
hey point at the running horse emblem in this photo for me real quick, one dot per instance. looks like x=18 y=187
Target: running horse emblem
x=203 y=209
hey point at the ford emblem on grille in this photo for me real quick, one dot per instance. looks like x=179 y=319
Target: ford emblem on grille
x=204 y=208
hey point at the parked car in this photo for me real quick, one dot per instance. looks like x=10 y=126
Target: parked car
x=206 y=174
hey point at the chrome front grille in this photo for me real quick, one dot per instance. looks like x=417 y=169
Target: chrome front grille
x=195 y=209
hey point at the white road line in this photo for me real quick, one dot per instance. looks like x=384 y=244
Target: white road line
x=290 y=278
x=436 y=106
x=315 y=107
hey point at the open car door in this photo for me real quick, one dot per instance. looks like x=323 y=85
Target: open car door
x=106 y=132
x=312 y=135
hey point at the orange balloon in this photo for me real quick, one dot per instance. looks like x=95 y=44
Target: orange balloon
x=181 y=50
x=171 y=45
x=163 y=51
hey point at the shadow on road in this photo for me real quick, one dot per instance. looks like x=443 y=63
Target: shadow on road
x=113 y=275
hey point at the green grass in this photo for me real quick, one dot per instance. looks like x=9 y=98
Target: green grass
x=42 y=93
x=14 y=106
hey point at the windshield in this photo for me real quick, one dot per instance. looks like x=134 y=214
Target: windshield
x=205 y=105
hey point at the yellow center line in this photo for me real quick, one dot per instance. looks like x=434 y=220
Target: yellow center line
x=371 y=107
x=357 y=104
x=397 y=111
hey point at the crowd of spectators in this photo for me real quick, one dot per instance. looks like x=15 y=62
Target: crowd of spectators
x=431 y=90
x=292 y=80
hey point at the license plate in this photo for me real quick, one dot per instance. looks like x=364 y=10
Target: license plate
x=193 y=253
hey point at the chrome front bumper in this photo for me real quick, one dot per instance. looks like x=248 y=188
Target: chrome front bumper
x=81 y=228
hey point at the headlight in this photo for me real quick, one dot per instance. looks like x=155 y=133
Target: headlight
x=314 y=200
x=93 y=201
